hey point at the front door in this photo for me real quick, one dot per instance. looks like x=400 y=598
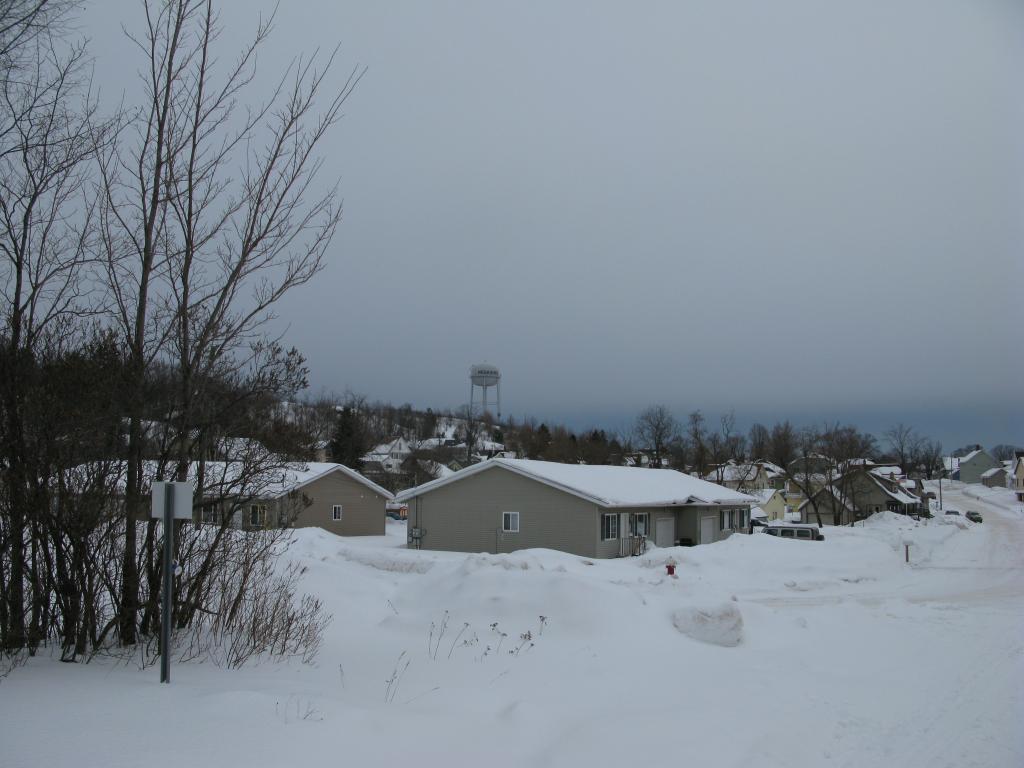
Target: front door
x=665 y=531
x=707 y=530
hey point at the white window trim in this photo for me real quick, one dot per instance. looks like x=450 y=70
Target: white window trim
x=210 y=514
x=261 y=511
x=646 y=516
x=337 y=511
x=614 y=528
x=514 y=517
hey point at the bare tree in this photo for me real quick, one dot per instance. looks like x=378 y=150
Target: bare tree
x=759 y=441
x=196 y=257
x=903 y=443
x=930 y=457
x=48 y=133
x=796 y=451
x=656 y=428
x=696 y=436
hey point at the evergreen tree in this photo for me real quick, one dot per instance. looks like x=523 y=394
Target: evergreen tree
x=351 y=439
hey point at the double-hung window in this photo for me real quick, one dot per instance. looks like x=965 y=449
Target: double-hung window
x=257 y=515
x=609 y=526
x=336 y=512
x=726 y=519
x=640 y=524
x=210 y=514
x=510 y=522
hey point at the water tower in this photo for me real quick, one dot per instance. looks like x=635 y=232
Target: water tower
x=484 y=376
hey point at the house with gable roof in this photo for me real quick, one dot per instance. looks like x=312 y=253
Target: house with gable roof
x=970 y=468
x=503 y=505
x=858 y=494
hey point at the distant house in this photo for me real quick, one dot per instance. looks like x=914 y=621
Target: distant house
x=742 y=476
x=315 y=494
x=389 y=456
x=856 y=495
x=272 y=494
x=1018 y=476
x=771 y=501
x=969 y=468
x=503 y=505
x=994 y=478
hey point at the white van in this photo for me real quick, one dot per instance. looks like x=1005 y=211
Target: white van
x=802 y=532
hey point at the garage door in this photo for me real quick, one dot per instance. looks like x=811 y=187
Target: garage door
x=665 y=532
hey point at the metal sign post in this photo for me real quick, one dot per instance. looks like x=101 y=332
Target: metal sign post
x=171 y=501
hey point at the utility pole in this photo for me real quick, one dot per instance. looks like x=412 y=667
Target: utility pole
x=171 y=501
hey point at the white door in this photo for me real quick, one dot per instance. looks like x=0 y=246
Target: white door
x=665 y=532
x=707 y=530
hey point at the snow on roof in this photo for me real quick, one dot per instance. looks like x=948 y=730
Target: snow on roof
x=756 y=513
x=731 y=473
x=297 y=475
x=763 y=495
x=889 y=470
x=992 y=472
x=234 y=477
x=605 y=486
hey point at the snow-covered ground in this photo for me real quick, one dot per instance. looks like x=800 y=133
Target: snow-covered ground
x=762 y=652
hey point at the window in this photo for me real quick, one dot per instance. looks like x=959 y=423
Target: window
x=210 y=514
x=257 y=515
x=803 y=533
x=639 y=524
x=726 y=522
x=609 y=526
x=510 y=522
x=336 y=512
x=772 y=531
x=786 y=533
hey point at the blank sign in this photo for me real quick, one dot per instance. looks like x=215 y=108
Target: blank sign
x=182 y=500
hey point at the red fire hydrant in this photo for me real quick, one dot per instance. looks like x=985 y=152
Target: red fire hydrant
x=670 y=568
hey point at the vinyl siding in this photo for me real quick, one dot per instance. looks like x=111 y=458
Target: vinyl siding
x=362 y=507
x=466 y=516
x=971 y=471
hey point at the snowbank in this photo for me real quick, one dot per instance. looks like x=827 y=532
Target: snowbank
x=717 y=624
x=534 y=658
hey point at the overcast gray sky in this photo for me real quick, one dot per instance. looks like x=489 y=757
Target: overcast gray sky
x=795 y=208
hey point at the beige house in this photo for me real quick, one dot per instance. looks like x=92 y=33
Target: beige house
x=313 y=494
x=503 y=505
x=771 y=501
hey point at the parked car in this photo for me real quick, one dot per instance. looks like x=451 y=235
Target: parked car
x=952 y=512
x=803 y=532
x=974 y=517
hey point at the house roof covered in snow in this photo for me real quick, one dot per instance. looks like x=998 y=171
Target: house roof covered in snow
x=763 y=495
x=236 y=477
x=605 y=486
x=887 y=470
x=993 y=472
x=732 y=472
